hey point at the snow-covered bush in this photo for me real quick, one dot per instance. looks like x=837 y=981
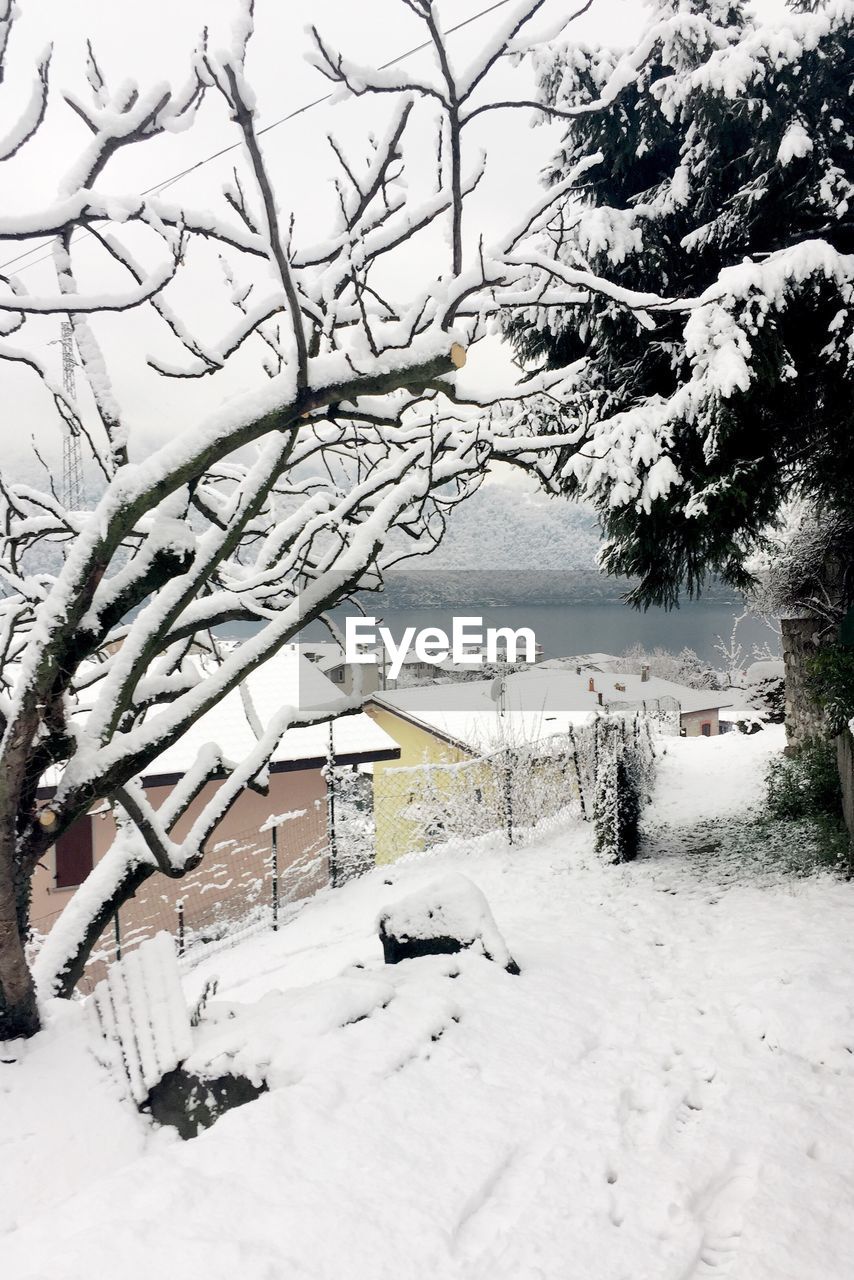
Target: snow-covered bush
x=352 y=825
x=804 y=785
x=831 y=679
x=768 y=696
x=804 y=789
x=684 y=667
x=620 y=786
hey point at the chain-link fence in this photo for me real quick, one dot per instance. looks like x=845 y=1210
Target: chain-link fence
x=521 y=786
x=256 y=878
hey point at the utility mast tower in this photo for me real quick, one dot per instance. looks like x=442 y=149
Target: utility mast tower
x=72 y=454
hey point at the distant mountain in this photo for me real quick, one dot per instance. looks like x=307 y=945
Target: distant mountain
x=505 y=546
x=503 y=528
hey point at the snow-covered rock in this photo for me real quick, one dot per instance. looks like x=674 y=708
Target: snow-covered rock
x=447 y=916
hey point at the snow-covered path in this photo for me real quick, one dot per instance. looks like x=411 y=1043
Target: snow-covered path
x=664 y=1094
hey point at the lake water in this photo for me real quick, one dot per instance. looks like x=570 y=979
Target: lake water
x=603 y=628
x=565 y=629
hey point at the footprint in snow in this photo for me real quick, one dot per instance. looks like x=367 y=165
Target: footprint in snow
x=692 y=1102
x=721 y=1210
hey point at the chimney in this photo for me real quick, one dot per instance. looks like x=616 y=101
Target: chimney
x=644 y=674
x=591 y=687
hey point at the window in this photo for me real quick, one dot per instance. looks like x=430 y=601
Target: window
x=74 y=854
x=706 y=729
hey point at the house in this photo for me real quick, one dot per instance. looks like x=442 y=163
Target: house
x=450 y=725
x=238 y=852
x=329 y=658
x=538 y=702
x=447 y=725
x=699 y=709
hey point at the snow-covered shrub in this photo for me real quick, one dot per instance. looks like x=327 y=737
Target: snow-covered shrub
x=618 y=799
x=684 y=667
x=831 y=679
x=805 y=785
x=191 y=1104
x=804 y=789
x=769 y=698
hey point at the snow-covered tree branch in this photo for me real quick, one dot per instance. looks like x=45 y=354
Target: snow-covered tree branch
x=346 y=452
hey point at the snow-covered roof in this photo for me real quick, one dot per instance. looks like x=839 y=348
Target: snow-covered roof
x=332 y=660
x=466 y=713
x=537 y=704
x=590 y=661
x=286 y=679
x=638 y=690
x=318 y=651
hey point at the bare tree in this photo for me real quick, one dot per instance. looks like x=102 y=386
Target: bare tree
x=270 y=510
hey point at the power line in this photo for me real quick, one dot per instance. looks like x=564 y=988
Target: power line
x=291 y=115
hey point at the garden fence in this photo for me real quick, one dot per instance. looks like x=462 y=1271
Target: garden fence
x=259 y=878
x=519 y=786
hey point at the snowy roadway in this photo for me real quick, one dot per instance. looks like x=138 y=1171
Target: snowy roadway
x=666 y=1093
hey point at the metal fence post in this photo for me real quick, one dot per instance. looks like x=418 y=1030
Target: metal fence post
x=330 y=812
x=180 y=906
x=118 y=936
x=274 y=835
x=578 y=778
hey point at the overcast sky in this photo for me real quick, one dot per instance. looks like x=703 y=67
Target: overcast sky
x=151 y=41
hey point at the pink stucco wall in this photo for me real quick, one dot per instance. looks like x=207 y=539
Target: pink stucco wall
x=236 y=875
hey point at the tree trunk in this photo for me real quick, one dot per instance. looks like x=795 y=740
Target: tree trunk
x=66 y=968
x=18 y=1009
x=802 y=638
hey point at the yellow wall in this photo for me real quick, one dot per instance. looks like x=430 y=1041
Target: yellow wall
x=415 y=808
x=396 y=792
x=417 y=745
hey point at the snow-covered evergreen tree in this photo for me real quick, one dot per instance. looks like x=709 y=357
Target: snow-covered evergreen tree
x=720 y=182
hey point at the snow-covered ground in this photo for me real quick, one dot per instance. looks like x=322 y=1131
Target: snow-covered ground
x=665 y=1093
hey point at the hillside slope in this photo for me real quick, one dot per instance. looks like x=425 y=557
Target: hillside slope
x=665 y=1092
x=500 y=527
